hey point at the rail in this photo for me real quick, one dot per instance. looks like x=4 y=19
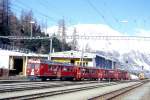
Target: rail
x=113 y=94
x=56 y=91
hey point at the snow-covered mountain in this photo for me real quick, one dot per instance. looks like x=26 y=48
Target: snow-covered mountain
x=133 y=54
x=134 y=61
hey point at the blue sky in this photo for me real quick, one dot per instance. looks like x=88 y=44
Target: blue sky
x=109 y=12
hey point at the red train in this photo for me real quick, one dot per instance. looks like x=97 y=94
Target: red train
x=45 y=69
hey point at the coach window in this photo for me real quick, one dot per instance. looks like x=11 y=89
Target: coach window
x=93 y=71
x=87 y=71
x=32 y=65
x=37 y=66
x=83 y=70
x=54 y=68
x=50 y=67
x=68 y=69
x=65 y=69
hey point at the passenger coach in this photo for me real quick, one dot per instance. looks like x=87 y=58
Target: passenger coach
x=44 y=69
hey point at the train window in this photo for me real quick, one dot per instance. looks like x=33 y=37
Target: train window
x=68 y=69
x=83 y=70
x=37 y=65
x=93 y=71
x=50 y=67
x=31 y=65
x=87 y=71
x=54 y=68
x=64 y=69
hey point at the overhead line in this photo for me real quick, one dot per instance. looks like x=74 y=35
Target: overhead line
x=82 y=37
x=45 y=15
x=96 y=10
x=116 y=20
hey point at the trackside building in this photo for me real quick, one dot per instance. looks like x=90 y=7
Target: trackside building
x=85 y=59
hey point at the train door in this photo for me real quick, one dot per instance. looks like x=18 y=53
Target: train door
x=59 y=71
x=30 y=69
x=78 y=73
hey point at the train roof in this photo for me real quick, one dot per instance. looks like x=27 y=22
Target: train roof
x=48 y=62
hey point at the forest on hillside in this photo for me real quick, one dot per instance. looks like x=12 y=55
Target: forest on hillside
x=11 y=25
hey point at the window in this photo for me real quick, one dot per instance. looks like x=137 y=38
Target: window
x=37 y=66
x=83 y=70
x=52 y=68
x=64 y=69
x=87 y=71
x=31 y=65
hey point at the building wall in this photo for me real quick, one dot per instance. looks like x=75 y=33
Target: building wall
x=77 y=61
x=100 y=62
x=108 y=64
x=4 y=61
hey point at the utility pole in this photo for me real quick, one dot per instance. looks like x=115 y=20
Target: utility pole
x=31 y=22
x=62 y=32
x=50 y=52
x=74 y=41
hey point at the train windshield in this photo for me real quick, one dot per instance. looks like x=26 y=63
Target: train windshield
x=33 y=65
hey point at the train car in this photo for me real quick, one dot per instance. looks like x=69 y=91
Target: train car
x=41 y=69
x=66 y=72
x=111 y=74
x=82 y=73
x=125 y=75
x=141 y=76
x=87 y=73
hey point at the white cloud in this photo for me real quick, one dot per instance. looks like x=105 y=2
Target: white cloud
x=104 y=30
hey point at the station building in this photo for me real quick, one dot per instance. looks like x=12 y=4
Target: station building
x=79 y=58
x=16 y=62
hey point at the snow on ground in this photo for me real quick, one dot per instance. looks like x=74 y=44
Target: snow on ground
x=134 y=77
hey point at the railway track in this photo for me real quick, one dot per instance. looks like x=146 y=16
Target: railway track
x=38 y=85
x=57 y=91
x=113 y=94
x=53 y=86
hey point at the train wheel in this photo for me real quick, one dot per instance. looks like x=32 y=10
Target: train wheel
x=44 y=79
x=74 y=79
x=62 y=79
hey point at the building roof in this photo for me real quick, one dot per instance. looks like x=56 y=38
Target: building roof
x=78 y=54
x=73 y=54
x=13 y=53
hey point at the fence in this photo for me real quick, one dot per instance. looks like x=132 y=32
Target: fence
x=14 y=48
